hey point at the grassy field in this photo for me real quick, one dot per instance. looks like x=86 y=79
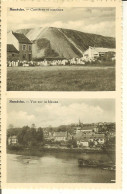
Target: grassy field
x=60 y=78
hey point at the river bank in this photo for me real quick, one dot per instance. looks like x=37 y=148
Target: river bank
x=35 y=151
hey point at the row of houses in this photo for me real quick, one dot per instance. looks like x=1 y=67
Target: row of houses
x=83 y=140
x=19 y=48
x=82 y=134
x=86 y=139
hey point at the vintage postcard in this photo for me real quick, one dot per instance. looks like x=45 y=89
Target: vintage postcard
x=65 y=148
x=61 y=94
x=63 y=140
x=50 y=45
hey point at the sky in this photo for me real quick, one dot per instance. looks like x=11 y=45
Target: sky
x=66 y=111
x=92 y=20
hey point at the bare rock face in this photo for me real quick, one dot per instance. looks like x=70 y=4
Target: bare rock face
x=54 y=42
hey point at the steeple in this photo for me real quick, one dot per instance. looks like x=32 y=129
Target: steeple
x=79 y=122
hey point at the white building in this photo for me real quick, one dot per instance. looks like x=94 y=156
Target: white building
x=60 y=136
x=95 y=52
x=12 y=140
x=83 y=143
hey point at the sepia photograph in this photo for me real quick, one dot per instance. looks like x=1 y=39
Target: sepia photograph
x=61 y=141
x=61 y=49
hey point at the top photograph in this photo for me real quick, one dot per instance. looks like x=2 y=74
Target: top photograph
x=61 y=49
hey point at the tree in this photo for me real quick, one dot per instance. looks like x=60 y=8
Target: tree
x=72 y=143
x=91 y=144
x=33 y=126
x=23 y=135
x=40 y=135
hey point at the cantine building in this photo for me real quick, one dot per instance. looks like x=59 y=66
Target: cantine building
x=22 y=44
x=95 y=52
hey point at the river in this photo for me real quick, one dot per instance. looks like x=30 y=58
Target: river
x=56 y=168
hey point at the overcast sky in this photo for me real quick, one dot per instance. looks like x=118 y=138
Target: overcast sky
x=91 y=20
x=64 y=112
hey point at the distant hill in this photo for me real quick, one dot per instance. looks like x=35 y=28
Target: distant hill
x=54 y=42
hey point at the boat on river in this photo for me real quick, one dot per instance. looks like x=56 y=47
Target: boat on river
x=97 y=164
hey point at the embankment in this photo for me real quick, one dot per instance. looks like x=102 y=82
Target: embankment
x=40 y=151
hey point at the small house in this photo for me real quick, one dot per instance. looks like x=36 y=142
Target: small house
x=60 y=136
x=100 y=138
x=12 y=140
x=83 y=143
x=48 y=135
x=12 y=53
x=22 y=44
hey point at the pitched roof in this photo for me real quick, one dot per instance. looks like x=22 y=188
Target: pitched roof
x=96 y=50
x=93 y=51
x=85 y=139
x=86 y=128
x=101 y=49
x=89 y=135
x=79 y=136
x=21 y=38
x=13 y=137
x=60 y=134
x=82 y=136
x=99 y=135
x=11 y=48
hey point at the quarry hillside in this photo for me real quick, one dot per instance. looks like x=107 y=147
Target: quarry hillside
x=51 y=42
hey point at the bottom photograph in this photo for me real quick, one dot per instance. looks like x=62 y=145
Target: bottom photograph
x=61 y=141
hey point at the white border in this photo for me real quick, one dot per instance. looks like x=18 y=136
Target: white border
x=116 y=95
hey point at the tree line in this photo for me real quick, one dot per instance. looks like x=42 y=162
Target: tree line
x=27 y=136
